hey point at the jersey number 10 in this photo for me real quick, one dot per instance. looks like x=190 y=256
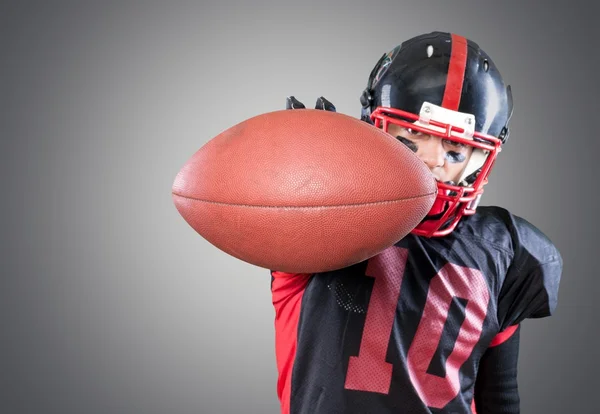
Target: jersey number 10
x=370 y=372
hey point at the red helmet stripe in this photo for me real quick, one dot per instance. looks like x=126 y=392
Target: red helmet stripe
x=456 y=73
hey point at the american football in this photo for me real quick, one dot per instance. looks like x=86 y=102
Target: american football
x=303 y=191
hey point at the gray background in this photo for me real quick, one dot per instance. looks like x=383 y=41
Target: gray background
x=111 y=303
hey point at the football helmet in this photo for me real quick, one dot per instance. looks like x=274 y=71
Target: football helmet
x=444 y=85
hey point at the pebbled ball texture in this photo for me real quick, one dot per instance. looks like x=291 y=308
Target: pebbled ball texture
x=303 y=191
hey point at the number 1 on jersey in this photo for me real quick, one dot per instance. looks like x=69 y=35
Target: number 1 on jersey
x=369 y=371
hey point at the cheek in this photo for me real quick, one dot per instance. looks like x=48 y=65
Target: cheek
x=455 y=166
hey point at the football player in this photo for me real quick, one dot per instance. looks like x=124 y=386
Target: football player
x=431 y=324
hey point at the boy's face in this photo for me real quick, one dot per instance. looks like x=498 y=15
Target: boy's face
x=445 y=159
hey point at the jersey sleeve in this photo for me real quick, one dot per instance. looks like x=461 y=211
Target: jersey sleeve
x=496 y=389
x=285 y=285
x=530 y=289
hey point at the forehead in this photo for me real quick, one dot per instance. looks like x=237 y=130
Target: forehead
x=392 y=128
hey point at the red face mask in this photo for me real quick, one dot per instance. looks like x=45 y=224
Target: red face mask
x=453 y=200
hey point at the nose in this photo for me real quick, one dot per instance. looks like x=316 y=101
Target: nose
x=431 y=152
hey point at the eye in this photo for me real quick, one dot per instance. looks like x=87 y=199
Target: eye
x=454 y=144
x=413 y=132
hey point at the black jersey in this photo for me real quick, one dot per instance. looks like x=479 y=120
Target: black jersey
x=403 y=332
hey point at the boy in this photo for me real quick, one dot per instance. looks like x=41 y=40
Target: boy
x=431 y=324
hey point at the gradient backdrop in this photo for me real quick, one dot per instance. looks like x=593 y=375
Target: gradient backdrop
x=111 y=303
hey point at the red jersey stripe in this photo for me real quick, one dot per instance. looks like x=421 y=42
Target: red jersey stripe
x=504 y=335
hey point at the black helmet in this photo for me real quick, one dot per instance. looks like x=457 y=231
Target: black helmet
x=444 y=85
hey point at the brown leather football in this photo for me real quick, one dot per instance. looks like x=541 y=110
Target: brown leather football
x=303 y=191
